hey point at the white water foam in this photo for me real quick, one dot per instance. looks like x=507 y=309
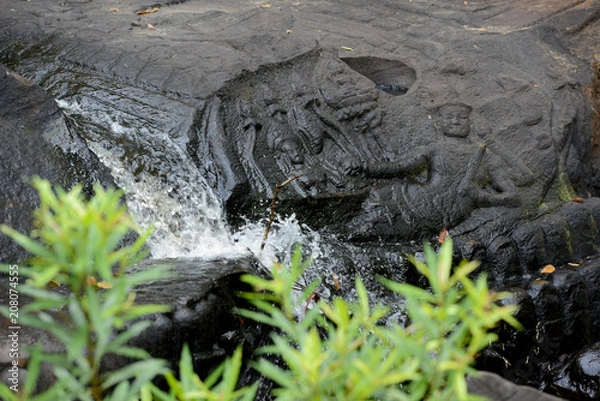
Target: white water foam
x=187 y=217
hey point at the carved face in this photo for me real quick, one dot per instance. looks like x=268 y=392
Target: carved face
x=454 y=121
x=339 y=84
x=292 y=149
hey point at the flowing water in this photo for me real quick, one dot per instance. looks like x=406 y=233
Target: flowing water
x=166 y=190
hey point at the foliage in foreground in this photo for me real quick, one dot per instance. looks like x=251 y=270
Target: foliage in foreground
x=340 y=351
x=76 y=245
x=337 y=351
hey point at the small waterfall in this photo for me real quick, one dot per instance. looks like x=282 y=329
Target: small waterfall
x=166 y=191
x=163 y=188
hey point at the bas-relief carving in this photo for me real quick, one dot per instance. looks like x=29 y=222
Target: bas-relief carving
x=309 y=124
x=440 y=184
x=477 y=169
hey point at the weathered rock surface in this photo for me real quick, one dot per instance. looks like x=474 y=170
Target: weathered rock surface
x=403 y=119
x=496 y=388
x=555 y=351
x=256 y=94
x=36 y=141
x=202 y=298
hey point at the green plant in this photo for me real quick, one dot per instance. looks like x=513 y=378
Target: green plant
x=220 y=385
x=336 y=351
x=340 y=351
x=450 y=323
x=75 y=244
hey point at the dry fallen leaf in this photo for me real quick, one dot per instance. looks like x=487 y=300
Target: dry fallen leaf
x=155 y=9
x=548 y=269
x=113 y=10
x=336 y=281
x=443 y=235
x=104 y=285
x=265 y=6
x=91 y=280
x=578 y=200
x=288 y=31
x=575 y=264
x=150 y=26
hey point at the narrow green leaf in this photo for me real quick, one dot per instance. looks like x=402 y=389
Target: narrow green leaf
x=147 y=370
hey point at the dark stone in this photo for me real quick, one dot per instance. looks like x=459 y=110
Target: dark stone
x=576 y=309
x=441 y=115
x=496 y=388
x=201 y=294
x=369 y=128
x=581 y=379
x=37 y=140
x=549 y=314
x=531 y=249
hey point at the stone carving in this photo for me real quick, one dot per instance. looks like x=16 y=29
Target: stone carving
x=440 y=184
x=310 y=125
x=229 y=76
x=425 y=158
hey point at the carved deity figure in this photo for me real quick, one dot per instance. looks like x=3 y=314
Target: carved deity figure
x=347 y=104
x=293 y=159
x=436 y=185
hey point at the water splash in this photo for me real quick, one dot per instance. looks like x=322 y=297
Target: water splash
x=170 y=194
x=285 y=234
x=166 y=191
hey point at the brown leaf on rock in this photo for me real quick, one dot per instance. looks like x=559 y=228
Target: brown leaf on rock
x=113 y=10
x=155 y=9
x=443 y=235
x=578 y=200
x=150 y=26
x=336 y=281
x=548 y=269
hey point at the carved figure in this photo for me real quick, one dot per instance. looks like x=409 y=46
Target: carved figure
x=348 y=105
x=316 y=178
x=434 y=186
x=245 y=147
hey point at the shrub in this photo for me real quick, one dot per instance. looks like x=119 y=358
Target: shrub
x=340 y=351
x=332 y=351
x=75 y=245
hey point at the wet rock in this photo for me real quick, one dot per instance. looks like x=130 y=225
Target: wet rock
x=480 y=129
x=559 y=318
x=453 y=115
x=580 y=380
x=37 y=140
x=496 y=388
x=201 y=294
